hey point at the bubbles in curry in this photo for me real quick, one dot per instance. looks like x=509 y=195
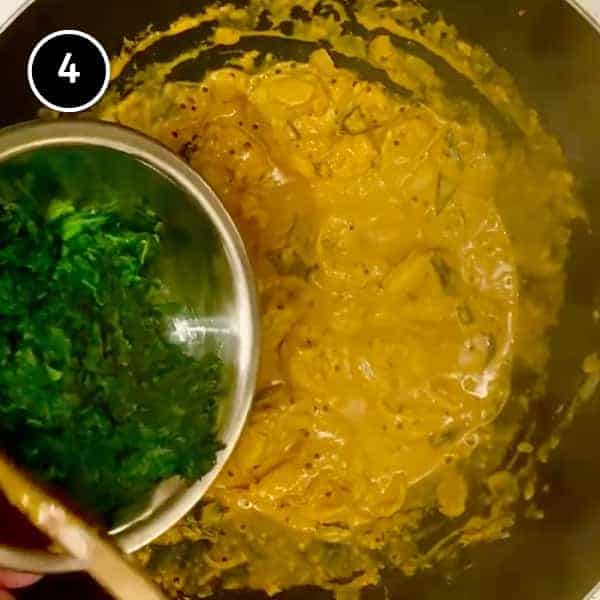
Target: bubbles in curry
x=409 y=252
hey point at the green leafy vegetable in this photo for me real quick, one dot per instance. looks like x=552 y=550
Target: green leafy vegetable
x=93 y=396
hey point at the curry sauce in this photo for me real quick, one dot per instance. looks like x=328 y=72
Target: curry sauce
x=409 y=257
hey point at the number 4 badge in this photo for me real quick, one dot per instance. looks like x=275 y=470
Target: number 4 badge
x=69 y=71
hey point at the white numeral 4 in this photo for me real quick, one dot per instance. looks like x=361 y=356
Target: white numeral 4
x=69 y=69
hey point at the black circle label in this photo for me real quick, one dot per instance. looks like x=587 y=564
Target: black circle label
x=69 y=71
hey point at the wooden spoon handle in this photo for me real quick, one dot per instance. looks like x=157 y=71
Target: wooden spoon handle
x=103 y=561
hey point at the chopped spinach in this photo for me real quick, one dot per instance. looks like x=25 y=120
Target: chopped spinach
x=93 y=396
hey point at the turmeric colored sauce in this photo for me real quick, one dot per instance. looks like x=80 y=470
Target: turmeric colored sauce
x=409 y=257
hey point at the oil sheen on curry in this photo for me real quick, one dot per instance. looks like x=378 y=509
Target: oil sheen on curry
x=409 y=247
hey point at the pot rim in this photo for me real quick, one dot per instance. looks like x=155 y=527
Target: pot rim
x=581 y=6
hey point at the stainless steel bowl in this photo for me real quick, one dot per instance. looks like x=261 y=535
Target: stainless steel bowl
x=235 y=320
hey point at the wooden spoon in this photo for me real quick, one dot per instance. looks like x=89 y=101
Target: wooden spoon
x=101 y=559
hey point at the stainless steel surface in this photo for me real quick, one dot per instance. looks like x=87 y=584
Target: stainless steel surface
x=594 y=594
x=10 y=9
x=590 y=9
x=239 y=312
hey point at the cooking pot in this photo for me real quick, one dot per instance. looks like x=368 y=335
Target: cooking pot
x=553 y=52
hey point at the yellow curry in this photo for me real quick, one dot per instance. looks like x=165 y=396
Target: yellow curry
x=409 y=258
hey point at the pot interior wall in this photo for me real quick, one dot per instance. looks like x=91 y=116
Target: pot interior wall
x=554 y=55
